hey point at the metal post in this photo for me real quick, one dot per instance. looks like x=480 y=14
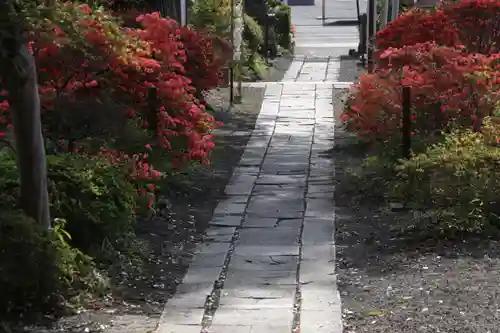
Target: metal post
x=406 y=126
x=231 y=69
x=395 y=9
x=358 y=11
x=237 y=41
x=372 y=27
x=323 y=12
x=266 y=33
x=183 y=5
x=384 y=13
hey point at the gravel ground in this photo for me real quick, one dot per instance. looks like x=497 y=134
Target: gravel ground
x=136 y=301
x=392 y=281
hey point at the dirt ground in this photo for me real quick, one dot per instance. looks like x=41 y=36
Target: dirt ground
x=394 y=281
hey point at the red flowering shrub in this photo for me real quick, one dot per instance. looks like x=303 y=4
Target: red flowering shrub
x=202 y=65
x=472 y=23
x=417 y=26
x=447 y=84
x=476 y=23
x=95 y=77
x=447 y=56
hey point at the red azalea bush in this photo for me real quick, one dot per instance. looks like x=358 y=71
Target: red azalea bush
x=203 y=65
x=417 y=26
x=447 y=84
x=95 y=78
x=472 y=23
x=448 y=56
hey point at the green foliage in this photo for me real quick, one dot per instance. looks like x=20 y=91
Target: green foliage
x=95 y=198
x=455 y=183
x=39 y=271
x=371 y=179
x=212 y=15
x=253 y=37
x=252 y=33
x=283 y=23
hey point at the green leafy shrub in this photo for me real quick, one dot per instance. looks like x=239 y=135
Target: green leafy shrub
x=456 y=183
x=95 y=198
x=252 y=33
x=283 y=23
x=253 y=39
x=212 y=16
x=39 y=271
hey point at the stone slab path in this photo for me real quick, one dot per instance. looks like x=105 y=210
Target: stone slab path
x=267 y=263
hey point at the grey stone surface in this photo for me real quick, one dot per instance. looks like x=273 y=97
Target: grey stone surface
x=168 y=328
x=229 y=220
x=180 y=316
x=229 y=329
x=254 y=303
x=279 y=201
x=257 y=262
x=275 y=236
x=321 y=321
x=219 y=234
x=276 y=316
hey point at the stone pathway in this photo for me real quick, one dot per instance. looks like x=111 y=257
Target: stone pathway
x=267 y=263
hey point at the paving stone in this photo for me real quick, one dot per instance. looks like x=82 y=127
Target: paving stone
x=181 y=316
x=246 y=170
x=317 y=231
x=264 y=236
x=202 y=288
x=255 y=303
x=267 y=250
x=229 y=329
x=240 y=188
x=260 y=222
x=271 y=328
x=274 y=206
x=259 y=262
x=280 y=180
x=266 y=189
x=228 y=220
x=187 y=300
x=219 y=234
x=235 y=281
x=259 y=328
x=319 y=207
x=202 y=275
x=213 y=248
x=320 y=321
x=169 y=328
x=208 y=260
x=248 y=317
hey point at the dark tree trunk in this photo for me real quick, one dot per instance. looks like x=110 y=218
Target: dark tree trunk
x=19 y=78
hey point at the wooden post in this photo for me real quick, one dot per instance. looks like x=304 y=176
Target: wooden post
x=406 y=126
